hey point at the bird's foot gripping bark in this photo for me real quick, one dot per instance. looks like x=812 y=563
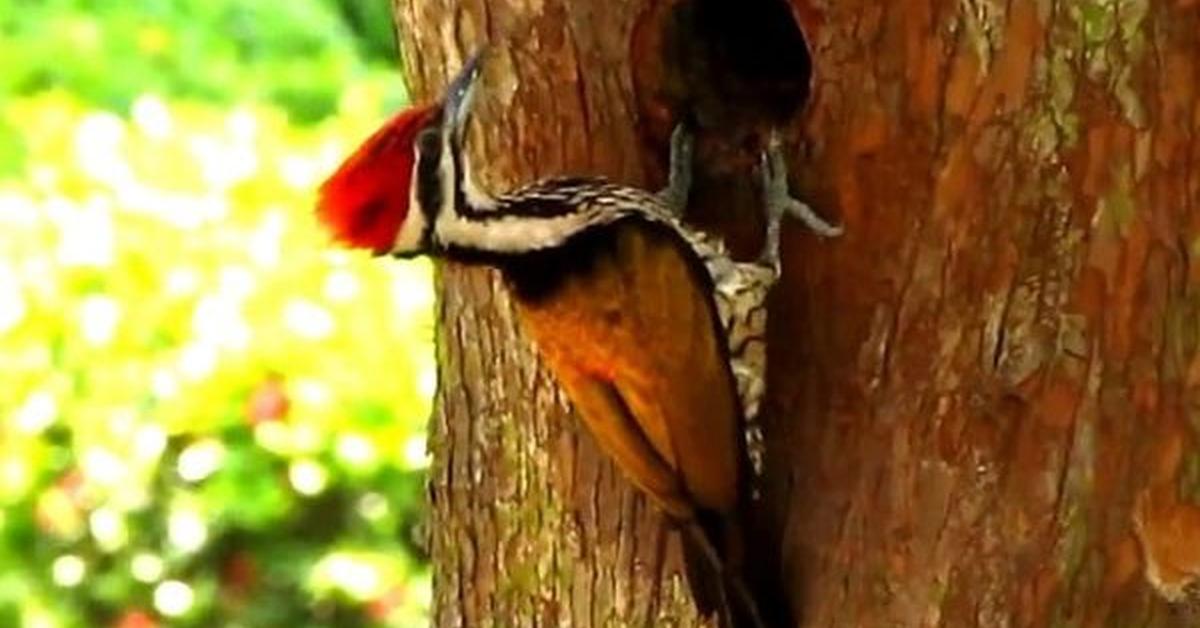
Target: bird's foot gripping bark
x=778 y=201
x=679 y=180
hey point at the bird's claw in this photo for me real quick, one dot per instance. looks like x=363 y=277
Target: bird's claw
x=779 y=201
x=679 y=180
x=778 y=198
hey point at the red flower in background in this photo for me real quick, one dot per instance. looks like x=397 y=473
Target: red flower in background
x=74 y=485
x=136 y=619
x=268 y=401
x=239 y=575
x=379 y=608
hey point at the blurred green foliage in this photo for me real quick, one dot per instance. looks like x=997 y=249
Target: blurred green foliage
x=295 y=53
x=208 y=416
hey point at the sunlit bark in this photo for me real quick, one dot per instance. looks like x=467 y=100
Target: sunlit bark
x=982 y=398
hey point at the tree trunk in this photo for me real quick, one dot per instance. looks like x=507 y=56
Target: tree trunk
x=981 y=405
x=531 y=525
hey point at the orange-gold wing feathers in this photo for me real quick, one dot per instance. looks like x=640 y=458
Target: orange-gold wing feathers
x=364 y=203
x=632 y=337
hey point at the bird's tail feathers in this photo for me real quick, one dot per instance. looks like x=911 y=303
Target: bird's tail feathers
x=713 y=550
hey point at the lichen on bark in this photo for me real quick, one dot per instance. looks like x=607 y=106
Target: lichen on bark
x=982 y=400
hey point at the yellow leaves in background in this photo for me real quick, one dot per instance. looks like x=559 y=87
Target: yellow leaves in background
x=167 y=258
x=162 y=285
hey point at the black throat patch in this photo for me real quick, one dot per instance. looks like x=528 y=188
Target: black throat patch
x=429 y=177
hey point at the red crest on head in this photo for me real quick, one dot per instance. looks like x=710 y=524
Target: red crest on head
x=364 y=203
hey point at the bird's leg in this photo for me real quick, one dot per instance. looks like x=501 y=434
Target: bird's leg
x=679 y=180
x=778 y=201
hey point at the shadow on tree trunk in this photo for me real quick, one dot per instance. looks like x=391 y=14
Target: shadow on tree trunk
x=981 y=399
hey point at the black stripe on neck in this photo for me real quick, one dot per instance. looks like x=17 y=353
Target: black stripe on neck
x=429 y=180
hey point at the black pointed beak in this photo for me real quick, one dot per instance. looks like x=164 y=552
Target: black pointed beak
x=461 y=90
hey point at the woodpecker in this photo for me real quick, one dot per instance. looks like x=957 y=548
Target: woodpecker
x=653 y=331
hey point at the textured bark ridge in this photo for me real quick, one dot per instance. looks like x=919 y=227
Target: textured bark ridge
x=982 y=399
x=531 y=526
x=999 y=362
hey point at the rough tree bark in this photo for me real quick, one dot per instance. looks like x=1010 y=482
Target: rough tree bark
x=982 y=404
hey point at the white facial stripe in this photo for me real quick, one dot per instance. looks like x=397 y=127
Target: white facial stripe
x=477 y=230
x=513 y=234
x=475 y=197
x=408 y=238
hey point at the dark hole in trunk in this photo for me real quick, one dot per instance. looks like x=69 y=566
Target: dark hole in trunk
x=737 y=67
